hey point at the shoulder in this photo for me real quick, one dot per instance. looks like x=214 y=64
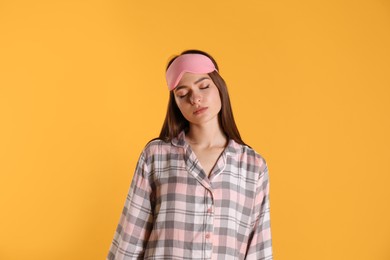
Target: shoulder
x=157 y=147
x=249 y=157
x=257 y=158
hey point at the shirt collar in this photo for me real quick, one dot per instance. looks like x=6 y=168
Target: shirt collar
x=179 y=140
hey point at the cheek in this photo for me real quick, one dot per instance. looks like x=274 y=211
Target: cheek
x=181 y=105
x=178 y=102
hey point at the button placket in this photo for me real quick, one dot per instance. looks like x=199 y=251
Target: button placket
x=209 y=216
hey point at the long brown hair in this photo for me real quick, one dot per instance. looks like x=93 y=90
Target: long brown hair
x=175 y=122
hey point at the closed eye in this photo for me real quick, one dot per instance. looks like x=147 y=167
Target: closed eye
x=205 y=87
x=182 y=95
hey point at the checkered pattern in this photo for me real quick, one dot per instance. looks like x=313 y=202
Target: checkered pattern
x=174 y=211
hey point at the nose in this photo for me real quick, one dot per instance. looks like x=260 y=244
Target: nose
x=195 y=98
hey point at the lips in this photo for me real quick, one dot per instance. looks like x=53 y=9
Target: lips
x=200 y=110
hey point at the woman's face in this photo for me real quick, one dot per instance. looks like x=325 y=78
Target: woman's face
x=198 y=98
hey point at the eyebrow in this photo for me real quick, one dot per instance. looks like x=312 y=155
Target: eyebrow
x=196 y=82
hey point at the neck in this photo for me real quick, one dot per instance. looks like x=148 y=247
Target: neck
x=206 y=136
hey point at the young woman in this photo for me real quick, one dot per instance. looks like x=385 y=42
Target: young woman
x=198 y=192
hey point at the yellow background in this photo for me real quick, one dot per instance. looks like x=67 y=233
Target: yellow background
x=82 y=90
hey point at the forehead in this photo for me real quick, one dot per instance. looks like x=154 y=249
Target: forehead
x=192 y=78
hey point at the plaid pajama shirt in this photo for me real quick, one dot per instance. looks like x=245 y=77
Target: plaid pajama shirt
x=175 y=211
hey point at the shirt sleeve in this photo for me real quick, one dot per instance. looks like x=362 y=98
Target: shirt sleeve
x=260 y=243
x=135 y=223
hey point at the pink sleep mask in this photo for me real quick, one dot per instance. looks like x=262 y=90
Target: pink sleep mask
x=192 y=63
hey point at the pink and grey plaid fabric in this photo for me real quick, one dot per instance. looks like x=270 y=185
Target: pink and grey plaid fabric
x=174 y=211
